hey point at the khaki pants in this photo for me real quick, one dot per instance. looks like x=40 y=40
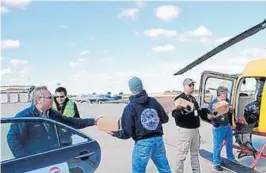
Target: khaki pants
x=188 y=140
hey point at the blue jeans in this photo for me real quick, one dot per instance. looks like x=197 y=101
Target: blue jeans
x=219 y=135
x=150 y=148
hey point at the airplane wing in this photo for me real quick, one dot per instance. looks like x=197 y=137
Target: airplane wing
x=229 y=165
x=225 y=45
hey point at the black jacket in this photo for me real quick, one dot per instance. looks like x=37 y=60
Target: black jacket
x=142 y=118
x=184 y=118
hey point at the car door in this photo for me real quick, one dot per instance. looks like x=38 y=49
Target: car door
x=209 y=83
x=48 y=150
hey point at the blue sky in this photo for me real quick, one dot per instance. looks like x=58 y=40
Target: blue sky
x=97 y=46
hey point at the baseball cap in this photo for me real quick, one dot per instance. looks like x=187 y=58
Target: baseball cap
x=188 y=81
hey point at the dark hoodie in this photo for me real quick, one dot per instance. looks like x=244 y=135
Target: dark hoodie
x=142 y=118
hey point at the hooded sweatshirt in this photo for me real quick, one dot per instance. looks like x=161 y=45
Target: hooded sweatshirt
x=142 y=118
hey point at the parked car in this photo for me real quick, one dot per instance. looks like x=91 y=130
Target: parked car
x=82 y=155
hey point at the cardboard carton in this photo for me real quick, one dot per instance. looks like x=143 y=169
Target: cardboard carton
x=221 y=107
x=184 y=103
x=104 y=124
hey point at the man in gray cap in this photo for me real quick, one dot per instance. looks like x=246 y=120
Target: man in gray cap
x=221 y=129
x=142 y=120
x=188 y=123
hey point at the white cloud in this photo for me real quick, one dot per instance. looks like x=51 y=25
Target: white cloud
x=10 y=44
x=160 y=33
x=205 y=40
x=129 y=12
x=254 y=52
x=165 y=48
x=167 y=12
x=6 y=5
x=140 y=3
x=81 y=60
x=17 y=62
x=73 y=64
x=201 y=31
x=5 y=71
x=182 y=37
x=63 y=26
x=85 y=52
x=4 y=9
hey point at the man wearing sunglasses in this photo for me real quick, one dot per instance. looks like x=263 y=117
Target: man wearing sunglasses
x=65 y=105
x=32 y=138
x=188 y=123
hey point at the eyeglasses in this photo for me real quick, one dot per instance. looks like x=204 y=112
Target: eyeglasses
x=60 y=96
x=47 y=97
x=191 y=85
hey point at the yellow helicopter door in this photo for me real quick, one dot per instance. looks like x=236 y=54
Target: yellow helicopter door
x=209 y=83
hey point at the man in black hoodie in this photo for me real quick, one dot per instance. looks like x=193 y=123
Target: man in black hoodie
x=142 y=120
x=188 y=123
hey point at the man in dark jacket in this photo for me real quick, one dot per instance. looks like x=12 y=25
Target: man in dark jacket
x=142 y=120
x=188 y=123
x=35 y=137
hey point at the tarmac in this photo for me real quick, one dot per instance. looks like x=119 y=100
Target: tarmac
x=116 y=153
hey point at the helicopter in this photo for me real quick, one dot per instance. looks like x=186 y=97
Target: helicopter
x=240 y=95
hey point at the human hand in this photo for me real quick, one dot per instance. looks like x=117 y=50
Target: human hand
x=210 y=116
x=179 y=107
x=110 y=132
x=231 y=109
x=96 y=120
x=188 y=108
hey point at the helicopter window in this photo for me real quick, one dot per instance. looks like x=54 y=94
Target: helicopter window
x=212 y=85
x=248 y=108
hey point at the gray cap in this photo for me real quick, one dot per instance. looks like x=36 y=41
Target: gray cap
x=188 y=81
x=221 y=89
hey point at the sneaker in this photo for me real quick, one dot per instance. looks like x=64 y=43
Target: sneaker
x=218 y=168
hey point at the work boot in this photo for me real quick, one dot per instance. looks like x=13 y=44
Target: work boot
x=218 y=168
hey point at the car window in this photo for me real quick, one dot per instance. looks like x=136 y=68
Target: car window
x=29 y=137
x=21 y=139
x=69 y=137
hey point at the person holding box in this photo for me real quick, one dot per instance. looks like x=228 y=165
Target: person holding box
x=142 y=120
x=186 y=115
x=219 y=111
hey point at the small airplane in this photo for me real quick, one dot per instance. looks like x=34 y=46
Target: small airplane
x=100 y=98
x=254 y=73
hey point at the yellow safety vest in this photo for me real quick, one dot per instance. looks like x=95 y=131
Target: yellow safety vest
x=69 y=110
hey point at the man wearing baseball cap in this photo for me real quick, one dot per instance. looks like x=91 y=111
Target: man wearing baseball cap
x=188 y=123
x=221 y=130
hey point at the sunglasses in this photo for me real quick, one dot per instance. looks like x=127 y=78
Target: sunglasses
x=60 y=96
x=191 y=85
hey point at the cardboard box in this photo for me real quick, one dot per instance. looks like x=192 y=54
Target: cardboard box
x=184 y=103
x=104 y=124
x=221 y=107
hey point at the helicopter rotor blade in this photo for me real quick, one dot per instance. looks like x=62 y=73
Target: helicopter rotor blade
x=223 y=46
